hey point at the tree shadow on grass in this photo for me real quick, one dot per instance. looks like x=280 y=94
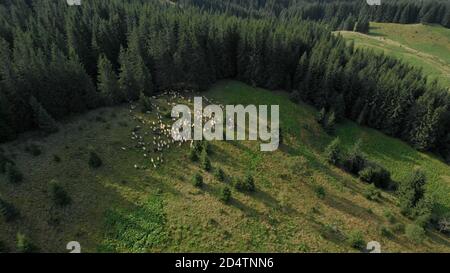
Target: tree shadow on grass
x=350 y=208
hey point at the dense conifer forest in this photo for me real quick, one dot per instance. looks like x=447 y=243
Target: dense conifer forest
x=57 y=60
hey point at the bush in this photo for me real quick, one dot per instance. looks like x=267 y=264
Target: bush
x=333 y=152
x=246 y=185
x=386 y=232
x=225 y=195
x=206 y=163
x=146 y=103
x=206 y=147
x=372 y=193
x=444 y=224
x=415 y=233
x=376 y=175
x=58 y=195
x=33 y=149
x=390 y=216
x=198 y=180
x=4 y=161
x=13 y=174
x=320 y=192
x=398 y=228
x=249 y=183
x=94 y=160
x=356 y=240
x=219 y=174
x=355 y=160
x=7 y=211
x=412 y=196
x=24 y=244
x=330 y=123
x=56 y=158
x=193 y=156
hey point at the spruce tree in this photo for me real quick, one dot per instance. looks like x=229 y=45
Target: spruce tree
x=107 y=82
x=43 y=120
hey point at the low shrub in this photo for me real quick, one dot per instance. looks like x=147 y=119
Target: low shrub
x=13 y=174
x=219 y=174
x=356 y=240
x=24 y=244
x=355 y=161
x=372 y=193
x=58 y=195
x=320 y=192
x=333 y=152
x=245 y=185
x=415 y=233
x=376 y=175
x=7 y=211
x=56 y=158
x=398 y=228
x=197 y=180
x=225 y=195
x=390 y=216
x=94 y=160
x=385 y=232
x=33 y=149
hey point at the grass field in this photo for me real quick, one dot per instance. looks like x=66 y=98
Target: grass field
x=425 y=46
x=118 y=208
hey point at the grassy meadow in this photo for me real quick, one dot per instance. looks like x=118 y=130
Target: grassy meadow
x=424 y=46
x=302 y=203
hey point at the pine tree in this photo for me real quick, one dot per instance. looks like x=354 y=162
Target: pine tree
x=107 y=82
x=44 y=121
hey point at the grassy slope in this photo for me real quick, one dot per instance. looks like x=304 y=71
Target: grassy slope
x=426 y=46
x=119 y=208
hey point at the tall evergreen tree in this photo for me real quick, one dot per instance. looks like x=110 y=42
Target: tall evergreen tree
x=108 y=84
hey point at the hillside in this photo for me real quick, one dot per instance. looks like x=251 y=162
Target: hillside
x=425 y=46
x=302 y=204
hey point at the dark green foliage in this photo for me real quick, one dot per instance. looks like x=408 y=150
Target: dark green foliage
x=43 y=120
x=372 y=193
x=245 y=185
x=24 y=244
x=13 y=174
x=320 y=192
x=355 y=160
x=4 y=160
x=94 y=160
x=7 y=211
x=412 y=195
x=197 y=180
x=33 y=149
x=3 y=247
x=398 y=228
x=356 y=240
x=219 y=174
x=206 y=163
x=225 y=195
x=193 y=155
x=321 y=117
x=333 y=152
x=377 y=175
x=107 y=83
x=58 y=195
x=386 y=232
x=205 y=146
x=390 y=216
x=146 y=103
x=56 y=158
